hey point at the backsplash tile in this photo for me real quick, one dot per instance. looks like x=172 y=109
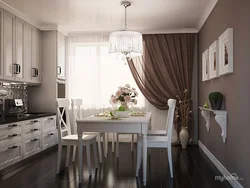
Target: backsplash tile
x=14 y=92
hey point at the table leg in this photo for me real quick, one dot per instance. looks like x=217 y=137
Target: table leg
x=80 y=145
x=144 y=148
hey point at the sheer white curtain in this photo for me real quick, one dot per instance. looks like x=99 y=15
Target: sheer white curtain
x=94 y=74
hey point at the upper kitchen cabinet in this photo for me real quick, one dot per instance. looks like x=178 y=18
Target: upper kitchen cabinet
x=9 y=46
x=36 y=55
x=61 y=56
x=13 y=47
x=32 y=54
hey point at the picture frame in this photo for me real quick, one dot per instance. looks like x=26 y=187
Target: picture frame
x=205 y=66
x=214 y=60
x=226 y=52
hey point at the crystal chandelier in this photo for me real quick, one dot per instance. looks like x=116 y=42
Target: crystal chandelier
x=125 y=42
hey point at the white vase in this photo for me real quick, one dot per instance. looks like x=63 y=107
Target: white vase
x=184 y=136
x=125 y=105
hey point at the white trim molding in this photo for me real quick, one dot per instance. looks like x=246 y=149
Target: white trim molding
x=219 y=166
x=206 y=13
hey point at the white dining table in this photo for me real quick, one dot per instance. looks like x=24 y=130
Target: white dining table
x=133 y=124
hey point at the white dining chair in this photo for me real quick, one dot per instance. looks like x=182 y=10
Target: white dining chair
x=158 y=141
x=65 y=138
x=77 y=114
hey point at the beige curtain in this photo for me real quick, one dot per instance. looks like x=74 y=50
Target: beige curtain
x=165 y=69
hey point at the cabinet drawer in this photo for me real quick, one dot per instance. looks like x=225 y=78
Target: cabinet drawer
x=32 y=124
x=9 y=129
x=10 y=155
x=28 y=134
x=31 y=147
x=49 y=139
x=49 y=124
x=10 y=139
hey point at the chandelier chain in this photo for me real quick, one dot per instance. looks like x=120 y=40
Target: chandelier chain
x=125 y=17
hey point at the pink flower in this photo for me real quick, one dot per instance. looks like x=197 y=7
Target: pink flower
x=127 y=85
x=127 y=98
x=133 y=89
x=118 y=93
x=114 y=100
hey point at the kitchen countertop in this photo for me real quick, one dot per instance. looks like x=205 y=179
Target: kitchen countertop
x=24 y=118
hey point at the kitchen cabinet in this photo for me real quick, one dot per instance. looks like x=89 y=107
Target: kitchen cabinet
x=61 y=56
x=36 y=55
x=13 y=47
x=32 y=54
x=8 y=45
x=19 y=49
x=23 y=139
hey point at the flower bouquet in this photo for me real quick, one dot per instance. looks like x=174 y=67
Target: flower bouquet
x=123 y=96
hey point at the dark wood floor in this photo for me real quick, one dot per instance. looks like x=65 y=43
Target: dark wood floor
x=191 y=169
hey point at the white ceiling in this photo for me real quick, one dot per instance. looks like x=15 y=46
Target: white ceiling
x=107 y=15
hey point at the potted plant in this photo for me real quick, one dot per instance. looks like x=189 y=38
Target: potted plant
x=215 y=99
x=184 y=116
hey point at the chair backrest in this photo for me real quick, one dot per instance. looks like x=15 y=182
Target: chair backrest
x=76 y=110
x=63 y=118
x=170 y=119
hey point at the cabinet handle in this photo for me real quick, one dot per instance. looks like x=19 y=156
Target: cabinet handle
x=13 y=135
x=50 y=118
x=19 y=68
x=14 y=125
x=37 y=72
x=33 y=129
x=34 y=121
x=33 y=140
x=13 y=147
x=60 y=70
x=50 y=134
x=16 y=68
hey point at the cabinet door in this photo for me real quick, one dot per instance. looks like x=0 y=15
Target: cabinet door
x=8 y=45
x=1 y=44
x=36 y=55
x=19 y=49
x=28 y=72
x=61 y=56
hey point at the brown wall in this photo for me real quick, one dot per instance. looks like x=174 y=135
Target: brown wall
x=235 y=154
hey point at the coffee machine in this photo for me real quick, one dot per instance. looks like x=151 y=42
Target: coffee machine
x=13 y=107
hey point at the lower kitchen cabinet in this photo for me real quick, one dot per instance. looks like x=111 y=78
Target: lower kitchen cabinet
x=23 y=139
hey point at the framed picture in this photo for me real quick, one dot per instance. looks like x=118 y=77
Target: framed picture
x=213 y=60
x=205 y=66
x=226 y=52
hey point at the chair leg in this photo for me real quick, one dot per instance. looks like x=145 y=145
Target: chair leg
x=99 y=147
x=104 y=145
x=67 y=156
x=59 y=156
x=139 y=158
x=74 y=154
x=95 y=154
x=117 y=145
x=170 y=161
x=88 y=158
x=107 y=143
x=132 y=143
x=113 y=143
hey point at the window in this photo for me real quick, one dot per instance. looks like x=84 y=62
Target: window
x=94 y=75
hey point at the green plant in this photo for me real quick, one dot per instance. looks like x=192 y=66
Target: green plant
x=215 y=96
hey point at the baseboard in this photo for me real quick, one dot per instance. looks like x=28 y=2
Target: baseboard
x=220 y=167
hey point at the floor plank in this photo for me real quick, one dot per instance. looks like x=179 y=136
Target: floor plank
x=192 y=169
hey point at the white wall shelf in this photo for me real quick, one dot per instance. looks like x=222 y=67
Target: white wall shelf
x=220 y=118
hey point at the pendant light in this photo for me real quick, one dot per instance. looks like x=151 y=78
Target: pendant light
x=125 y=42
